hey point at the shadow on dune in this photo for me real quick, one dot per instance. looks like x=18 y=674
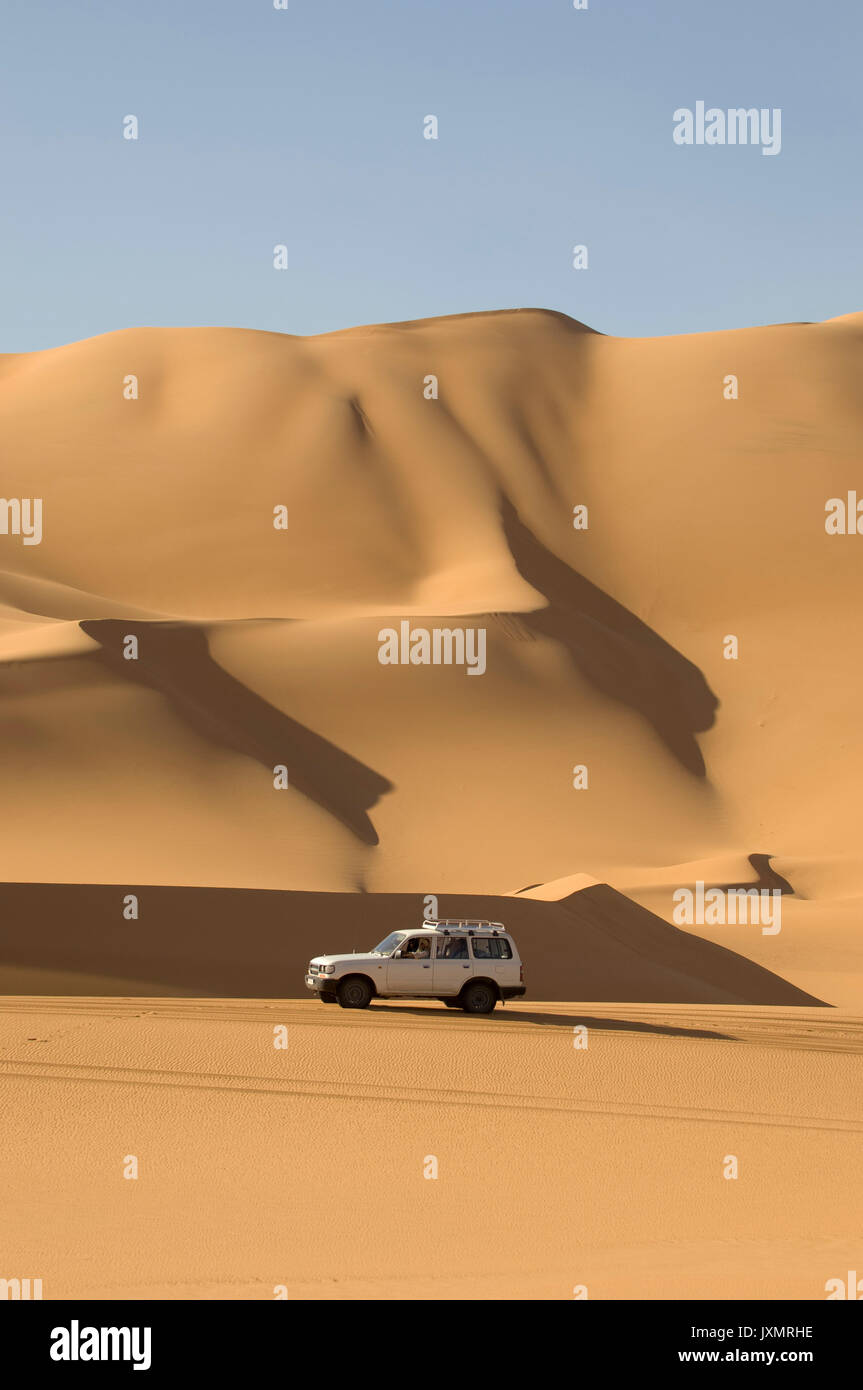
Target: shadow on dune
x=609 y=1025
x=767 y=878
x=174 y=659
x=596 y=945
x=616 y=651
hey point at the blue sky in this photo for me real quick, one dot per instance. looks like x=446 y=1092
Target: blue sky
x=305 y=127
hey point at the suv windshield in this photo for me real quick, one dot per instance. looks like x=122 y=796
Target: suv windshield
x=389 y=943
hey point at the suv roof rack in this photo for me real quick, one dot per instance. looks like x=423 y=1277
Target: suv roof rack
x=463 y=923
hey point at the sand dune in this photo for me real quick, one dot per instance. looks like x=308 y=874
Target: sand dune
x=605 y=646
x=595 y=944
x=605 y=650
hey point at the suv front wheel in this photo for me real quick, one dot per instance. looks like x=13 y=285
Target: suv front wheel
x=478 y=998
x=354 y=993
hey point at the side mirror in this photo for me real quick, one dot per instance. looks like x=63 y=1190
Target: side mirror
x=397 y=955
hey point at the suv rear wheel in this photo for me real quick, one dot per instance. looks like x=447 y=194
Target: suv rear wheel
x=478 y=998
x=354 y=993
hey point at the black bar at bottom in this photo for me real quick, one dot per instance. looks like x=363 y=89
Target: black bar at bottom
x=159 y=1338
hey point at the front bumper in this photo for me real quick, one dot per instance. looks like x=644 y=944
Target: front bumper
x=321 y=982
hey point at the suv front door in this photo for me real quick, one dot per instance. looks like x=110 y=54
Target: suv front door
x=410 y=970
x=453 y=966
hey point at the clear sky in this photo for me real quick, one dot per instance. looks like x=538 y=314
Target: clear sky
x=305 y=127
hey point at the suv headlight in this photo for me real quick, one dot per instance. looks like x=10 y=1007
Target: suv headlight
x=327 y=969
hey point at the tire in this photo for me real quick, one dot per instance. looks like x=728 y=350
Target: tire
x=478 y=998
x=355 y=993
x=328 y=998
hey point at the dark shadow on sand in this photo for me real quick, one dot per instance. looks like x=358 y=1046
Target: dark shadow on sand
x=607 y=1025
x=175 y=660
x=767 y=878
x=614 y=650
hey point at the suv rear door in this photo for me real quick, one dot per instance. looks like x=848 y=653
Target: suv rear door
x=453 y=966
x=495 y=959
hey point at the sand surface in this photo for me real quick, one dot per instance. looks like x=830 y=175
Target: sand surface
x=304 y=1167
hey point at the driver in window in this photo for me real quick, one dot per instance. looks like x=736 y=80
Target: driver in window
x=416 y=949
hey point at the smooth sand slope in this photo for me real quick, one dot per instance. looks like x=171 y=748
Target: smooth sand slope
x=594 y=944
x=303 y=1168
x=605 y=646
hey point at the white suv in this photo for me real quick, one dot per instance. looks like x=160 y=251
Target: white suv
x=465 y=964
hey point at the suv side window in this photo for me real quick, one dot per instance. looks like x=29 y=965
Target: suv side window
x=491 y=948
x=416 y=949
x=452 y=948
